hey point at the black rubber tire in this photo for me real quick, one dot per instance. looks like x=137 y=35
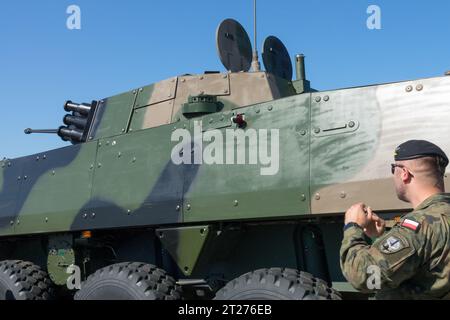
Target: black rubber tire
x=129 y=281
x=277 y=284
x=22 y=280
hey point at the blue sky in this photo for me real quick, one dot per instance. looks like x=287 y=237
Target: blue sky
x=126 y=44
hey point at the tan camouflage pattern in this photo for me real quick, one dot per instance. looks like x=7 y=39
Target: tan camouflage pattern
x=419 y=270
x=347 y=168
x=161 y=103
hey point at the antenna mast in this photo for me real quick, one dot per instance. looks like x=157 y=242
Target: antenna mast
x=256 y=66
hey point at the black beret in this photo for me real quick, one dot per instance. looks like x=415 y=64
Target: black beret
x=415 y=149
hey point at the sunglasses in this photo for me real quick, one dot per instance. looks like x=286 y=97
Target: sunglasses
x=393 y=166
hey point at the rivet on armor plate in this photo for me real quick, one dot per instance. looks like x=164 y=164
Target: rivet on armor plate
x=317 y=196
x=188 y=207
x=236 y=203
x=343 y=195
x=351 y=124
x=93 y=215
x=303 y=197
x=409 y=88
x=326 y=98
x=316 y=130
x=178 y=208
x=270 y=108
x=318 y=99
x=419 y=87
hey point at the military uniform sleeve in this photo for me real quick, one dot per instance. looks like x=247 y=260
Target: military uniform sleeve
x=393 y=258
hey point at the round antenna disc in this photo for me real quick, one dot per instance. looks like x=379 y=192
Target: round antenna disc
x=234 y=46
x=276 y=58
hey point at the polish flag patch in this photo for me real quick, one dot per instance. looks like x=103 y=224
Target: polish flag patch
x=411 y=224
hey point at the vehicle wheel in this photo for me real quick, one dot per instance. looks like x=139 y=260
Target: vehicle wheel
x=277 y=284
x=21 y=280
x=129 y=281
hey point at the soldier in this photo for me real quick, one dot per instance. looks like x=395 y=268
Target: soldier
x=410 y=261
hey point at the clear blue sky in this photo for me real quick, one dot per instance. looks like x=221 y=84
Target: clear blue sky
x=127 y=44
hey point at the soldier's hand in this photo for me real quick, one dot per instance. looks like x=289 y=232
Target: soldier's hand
x=375 y=226
x=357 y=214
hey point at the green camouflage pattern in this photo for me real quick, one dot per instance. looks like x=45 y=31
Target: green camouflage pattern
x=418 y=268
x=343 y=140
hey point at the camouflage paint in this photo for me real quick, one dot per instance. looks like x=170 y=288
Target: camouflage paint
x=339 y=146
x=334 y=151
x=38 y=173
x=184 y=245
x=245 y=193
x=113 y=115
x=350 y=167
x=54 y=188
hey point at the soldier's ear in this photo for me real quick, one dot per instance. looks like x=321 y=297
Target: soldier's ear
x=406 y=175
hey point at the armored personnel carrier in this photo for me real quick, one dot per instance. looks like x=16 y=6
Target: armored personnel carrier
x=225 y=185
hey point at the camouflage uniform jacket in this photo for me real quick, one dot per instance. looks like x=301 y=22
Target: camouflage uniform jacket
x=413 y=257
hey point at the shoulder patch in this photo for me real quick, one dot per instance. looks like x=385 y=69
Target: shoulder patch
x=393 y=244
x=411 y=224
